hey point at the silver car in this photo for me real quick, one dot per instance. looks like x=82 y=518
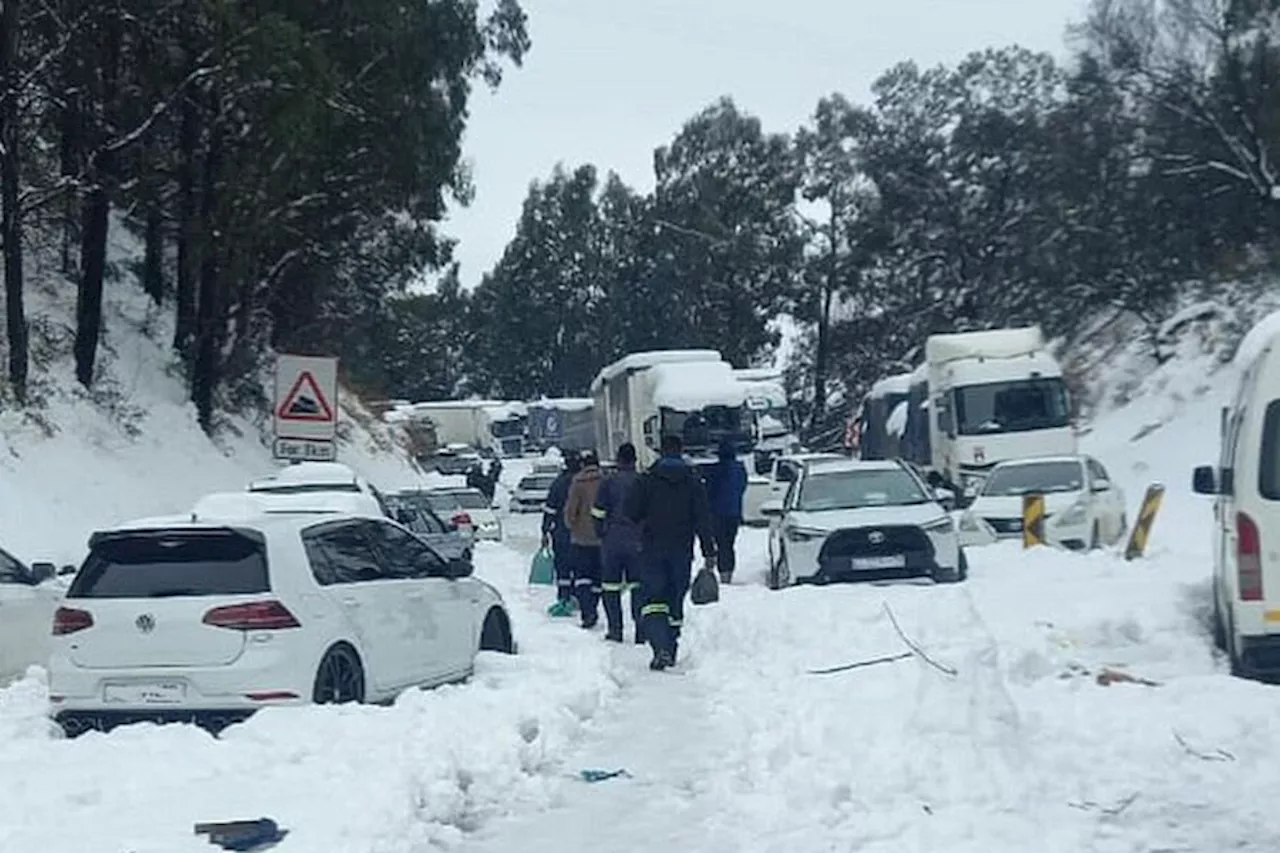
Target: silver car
x=468 y=508
x=530 y=494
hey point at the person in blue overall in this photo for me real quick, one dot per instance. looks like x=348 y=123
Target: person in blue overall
x=670 y=503
x=726 y=486
x=619 y=545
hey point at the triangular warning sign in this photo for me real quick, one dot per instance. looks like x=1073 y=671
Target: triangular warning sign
x=305 y=401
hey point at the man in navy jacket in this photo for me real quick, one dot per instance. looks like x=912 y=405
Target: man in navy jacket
x=726 y=486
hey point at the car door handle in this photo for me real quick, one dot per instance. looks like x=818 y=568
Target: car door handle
x=351 y=602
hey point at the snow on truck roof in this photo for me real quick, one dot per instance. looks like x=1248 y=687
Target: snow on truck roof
x=563 y=404
x=759 y=374
x=995 y=343
x=1258 y=340
x=688 y=387
x=897 y=384
x=640 y=360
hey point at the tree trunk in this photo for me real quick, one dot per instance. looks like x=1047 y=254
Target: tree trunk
x=97 y=209
x=11 y=225
x=153 y=254
x=93 y=260
x=188 y=139
x=822 y=355
x=209 y=317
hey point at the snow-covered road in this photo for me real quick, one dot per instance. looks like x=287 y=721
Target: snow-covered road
x=744 y=748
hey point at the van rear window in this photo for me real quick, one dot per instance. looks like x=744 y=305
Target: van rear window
x=166 y=564
x=1269 y=461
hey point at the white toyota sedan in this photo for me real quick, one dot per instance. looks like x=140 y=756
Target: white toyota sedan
x=208 y=619
x=861 y=520
x=1084 y=508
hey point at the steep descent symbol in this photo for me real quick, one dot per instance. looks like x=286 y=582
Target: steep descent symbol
x=305 y=401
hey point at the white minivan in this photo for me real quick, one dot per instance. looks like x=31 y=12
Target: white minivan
x=1246 y=488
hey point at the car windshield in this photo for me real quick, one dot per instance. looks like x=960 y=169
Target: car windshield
x=1037 y=478
x=859 y=489
x=1021 y=406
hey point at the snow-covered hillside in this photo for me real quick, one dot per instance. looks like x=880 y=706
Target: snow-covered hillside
x=130 y=447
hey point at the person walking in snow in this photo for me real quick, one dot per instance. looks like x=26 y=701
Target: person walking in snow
x=584 y=543
x=670 y=502
x=555 y=534
x=726 y=486
x=619 y=545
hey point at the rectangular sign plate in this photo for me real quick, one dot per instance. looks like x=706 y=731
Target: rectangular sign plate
x=149 y=693
x=304 y=451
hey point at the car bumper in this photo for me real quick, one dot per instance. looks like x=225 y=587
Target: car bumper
x=83 y=698
x=807 y=564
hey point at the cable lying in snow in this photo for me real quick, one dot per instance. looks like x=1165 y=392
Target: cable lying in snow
x=916 y=651
x=1215 y=755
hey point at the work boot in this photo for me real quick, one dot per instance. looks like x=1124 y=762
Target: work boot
x=661 y=660
x=726 y=578
x=613 y=636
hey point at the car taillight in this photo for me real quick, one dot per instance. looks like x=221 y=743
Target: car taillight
x=68 y=620
x=254 y=616
x=462 y=519
x=1248 y=558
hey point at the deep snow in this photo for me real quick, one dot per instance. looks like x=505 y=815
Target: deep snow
x=741 y=749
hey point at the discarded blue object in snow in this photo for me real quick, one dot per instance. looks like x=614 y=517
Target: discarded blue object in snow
x=602 y=775
x=243 y=835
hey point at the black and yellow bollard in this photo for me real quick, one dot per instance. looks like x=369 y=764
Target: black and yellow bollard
x=1032 y=520
x=1146 y=517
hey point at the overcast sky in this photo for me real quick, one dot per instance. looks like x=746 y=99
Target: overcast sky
x=607 y=81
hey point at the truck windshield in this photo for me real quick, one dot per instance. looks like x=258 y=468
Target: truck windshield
x=708 y=427
x=1019 y=406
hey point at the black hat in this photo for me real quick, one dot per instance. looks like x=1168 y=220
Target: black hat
x=626 y=453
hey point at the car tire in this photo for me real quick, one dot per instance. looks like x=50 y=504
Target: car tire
x=1219 y=627
x=339 y=678
x=1095 y=538
x=495 y=634
x=964 y=566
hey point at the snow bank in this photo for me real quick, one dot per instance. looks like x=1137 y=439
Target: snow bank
x=347 y=780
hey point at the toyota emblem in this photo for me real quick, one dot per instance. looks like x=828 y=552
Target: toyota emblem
x=875 y=537
x=146 y=623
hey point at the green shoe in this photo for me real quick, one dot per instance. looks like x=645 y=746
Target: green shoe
x=561 y=609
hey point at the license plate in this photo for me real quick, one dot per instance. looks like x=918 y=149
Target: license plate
x=151 y=693
x=894 y=561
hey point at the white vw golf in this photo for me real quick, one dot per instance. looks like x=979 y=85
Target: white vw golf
x=855 y=520
x=209 y=619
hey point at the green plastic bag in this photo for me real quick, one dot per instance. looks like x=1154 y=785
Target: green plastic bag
x=542 y=571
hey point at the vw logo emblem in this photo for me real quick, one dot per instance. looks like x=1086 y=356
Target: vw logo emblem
x=875 y=537
x=146 y=623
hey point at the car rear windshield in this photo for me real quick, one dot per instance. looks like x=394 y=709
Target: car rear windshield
x=536 y=484
x=471 y=500
x=169 y=564
x=1037 y=478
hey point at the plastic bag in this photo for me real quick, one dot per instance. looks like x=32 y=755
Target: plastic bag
x=542 y=571
x=705 y=588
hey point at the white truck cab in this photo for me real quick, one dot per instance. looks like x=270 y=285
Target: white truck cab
x=993 y=396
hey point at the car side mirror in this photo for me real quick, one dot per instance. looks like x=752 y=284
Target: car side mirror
x=1204 y=481
x=460 y=567
x=946 y=498
x=41 y=572
x=67 y=570
x=771 y=509
x=1102 y=485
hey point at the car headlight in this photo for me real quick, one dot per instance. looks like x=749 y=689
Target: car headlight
x=942 y=524
x=805 y=534
x=1077 y=514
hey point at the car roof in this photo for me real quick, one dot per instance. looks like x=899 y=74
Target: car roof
x=829 y=466
x=1039 y=460
x=269 y=523
x=810 y=457
x=308 y=473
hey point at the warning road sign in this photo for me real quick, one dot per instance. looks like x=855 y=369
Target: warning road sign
x=306 y=405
